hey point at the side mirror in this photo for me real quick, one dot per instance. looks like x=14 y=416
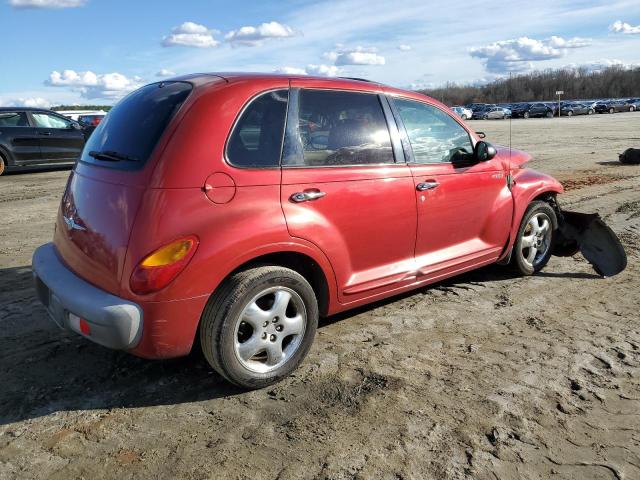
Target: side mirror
x=481 y=134
x=75 y=126
x=484 y=151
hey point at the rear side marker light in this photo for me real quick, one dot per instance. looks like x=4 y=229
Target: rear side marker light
x=84 y=327
x=158 y=269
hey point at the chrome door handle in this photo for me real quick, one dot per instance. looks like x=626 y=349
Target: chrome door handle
x=307 y=196
x=421 y=187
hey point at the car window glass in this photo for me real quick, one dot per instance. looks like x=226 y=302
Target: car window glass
x=44 y=120
x=13 y=119
x=256 y=140
x=434 y=135
x=338 y=128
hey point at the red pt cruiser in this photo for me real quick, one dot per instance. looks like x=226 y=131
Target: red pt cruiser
x=243 y=207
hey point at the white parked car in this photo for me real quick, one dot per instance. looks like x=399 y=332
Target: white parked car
x=462 y=112
x=75 y=114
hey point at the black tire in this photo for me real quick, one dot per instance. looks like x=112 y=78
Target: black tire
x=218 y=331
x=590 y=112
x=570 y=113
x=611 y=110
x=525 y=115
x=464 y=117
x=518 y=261
x=632 y=108
x=549 y=114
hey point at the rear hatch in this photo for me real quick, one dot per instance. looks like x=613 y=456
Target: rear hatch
x=107 y=185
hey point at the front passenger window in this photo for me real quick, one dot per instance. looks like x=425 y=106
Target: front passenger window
x=44 y=120
x=434 y=135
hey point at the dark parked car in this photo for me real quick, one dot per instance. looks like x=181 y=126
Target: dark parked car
x=570 y=109
x=526 y=110
x=30 y=136
x=90 y=122
x=612 y=106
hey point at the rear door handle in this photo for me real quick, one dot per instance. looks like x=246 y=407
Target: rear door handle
x=299 y=197
x=45 y=133
x=422 y=186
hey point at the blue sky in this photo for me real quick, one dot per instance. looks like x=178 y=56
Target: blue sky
x=95 y=51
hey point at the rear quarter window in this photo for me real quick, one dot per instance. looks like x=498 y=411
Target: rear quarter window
x=134 y=126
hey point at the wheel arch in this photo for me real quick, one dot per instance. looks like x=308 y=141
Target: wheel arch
x=5 y=155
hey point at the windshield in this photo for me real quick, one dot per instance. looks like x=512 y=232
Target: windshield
x=133 y=127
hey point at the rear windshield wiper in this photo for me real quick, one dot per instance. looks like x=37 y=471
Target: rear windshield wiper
x=111 y=156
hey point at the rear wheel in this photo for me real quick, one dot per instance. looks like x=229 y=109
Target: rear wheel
x=632 y=108
x=570 y=113
x=464 y=117
x=525 y=115
x=611 y=110
x=3 y=164
x=536 y=234
x=259 y=325
x=590 y=112
x=549 y=114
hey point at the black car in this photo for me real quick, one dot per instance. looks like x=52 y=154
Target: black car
x=570 y=109
x=527 y=110
x=612 y=106
x=31 y=136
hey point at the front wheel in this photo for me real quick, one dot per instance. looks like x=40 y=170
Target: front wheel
x=549 y=114
x=536 y=234
x=632 y=108
x=569 y=113
x=590 y=112
x=464 y=117
x=611 y=110
x=259 y=325
x=525 y=115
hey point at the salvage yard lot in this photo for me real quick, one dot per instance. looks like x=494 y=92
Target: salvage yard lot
x=482 y=376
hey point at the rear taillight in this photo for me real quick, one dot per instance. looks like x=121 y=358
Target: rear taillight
x=96 y=121
x=159 y=268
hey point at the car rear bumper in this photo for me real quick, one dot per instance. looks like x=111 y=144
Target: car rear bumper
x=74 y=304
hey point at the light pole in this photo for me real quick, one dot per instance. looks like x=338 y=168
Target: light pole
x=559 y=92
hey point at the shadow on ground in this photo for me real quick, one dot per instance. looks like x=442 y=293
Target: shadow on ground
x=45 y=369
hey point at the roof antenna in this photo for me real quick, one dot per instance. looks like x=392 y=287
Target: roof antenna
x=510 y=119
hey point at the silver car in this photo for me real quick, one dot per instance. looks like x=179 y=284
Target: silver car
x=462 y=112
x=496 y=113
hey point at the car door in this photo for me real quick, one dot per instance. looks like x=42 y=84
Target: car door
x=347 y=189
x=19 y=138
x=60 y=141
x=464 y=207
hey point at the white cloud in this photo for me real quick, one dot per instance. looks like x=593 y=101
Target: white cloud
x=354 y=56
x=31 y=102
x=624 y=27
x=516 y=55
x=405 y=47
x=47 y=3
x=602 y=64
x=191 y=34
x=92 y=85
x=165 y=72
x=255 y=36
x=291 y=70
x=311 y=69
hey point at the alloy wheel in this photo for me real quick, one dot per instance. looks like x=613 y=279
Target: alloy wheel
x=270 y=329
x=536 y=239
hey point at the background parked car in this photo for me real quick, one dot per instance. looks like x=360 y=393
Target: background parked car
x=570 y=109
x=30 y=137
x=612 y=106
x=462 y=112
x=76 y=114
x=495 y=113
x=90 y=122
x=633 y=104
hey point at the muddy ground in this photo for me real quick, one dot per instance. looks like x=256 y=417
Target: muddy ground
x=484 y=376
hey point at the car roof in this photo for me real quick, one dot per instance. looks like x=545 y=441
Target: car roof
x=27 y=109
x=201 y=79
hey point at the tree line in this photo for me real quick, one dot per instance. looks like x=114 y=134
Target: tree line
x=58 y=108
x=579 y=83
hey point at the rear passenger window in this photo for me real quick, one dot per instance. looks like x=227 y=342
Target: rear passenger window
x=256 y=140
x=434 y=135
x=338 y=128
x=13 y=119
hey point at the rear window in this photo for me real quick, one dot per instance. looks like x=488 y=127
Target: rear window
x=127 y=136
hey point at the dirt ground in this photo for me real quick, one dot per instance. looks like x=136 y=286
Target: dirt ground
x=484 y=376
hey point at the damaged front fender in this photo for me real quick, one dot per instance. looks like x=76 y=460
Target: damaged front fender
x=588 y=234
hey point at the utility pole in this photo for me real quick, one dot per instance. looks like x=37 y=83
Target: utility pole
x=559 y=92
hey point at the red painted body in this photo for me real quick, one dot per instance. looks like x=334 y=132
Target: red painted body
x=372 y=236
